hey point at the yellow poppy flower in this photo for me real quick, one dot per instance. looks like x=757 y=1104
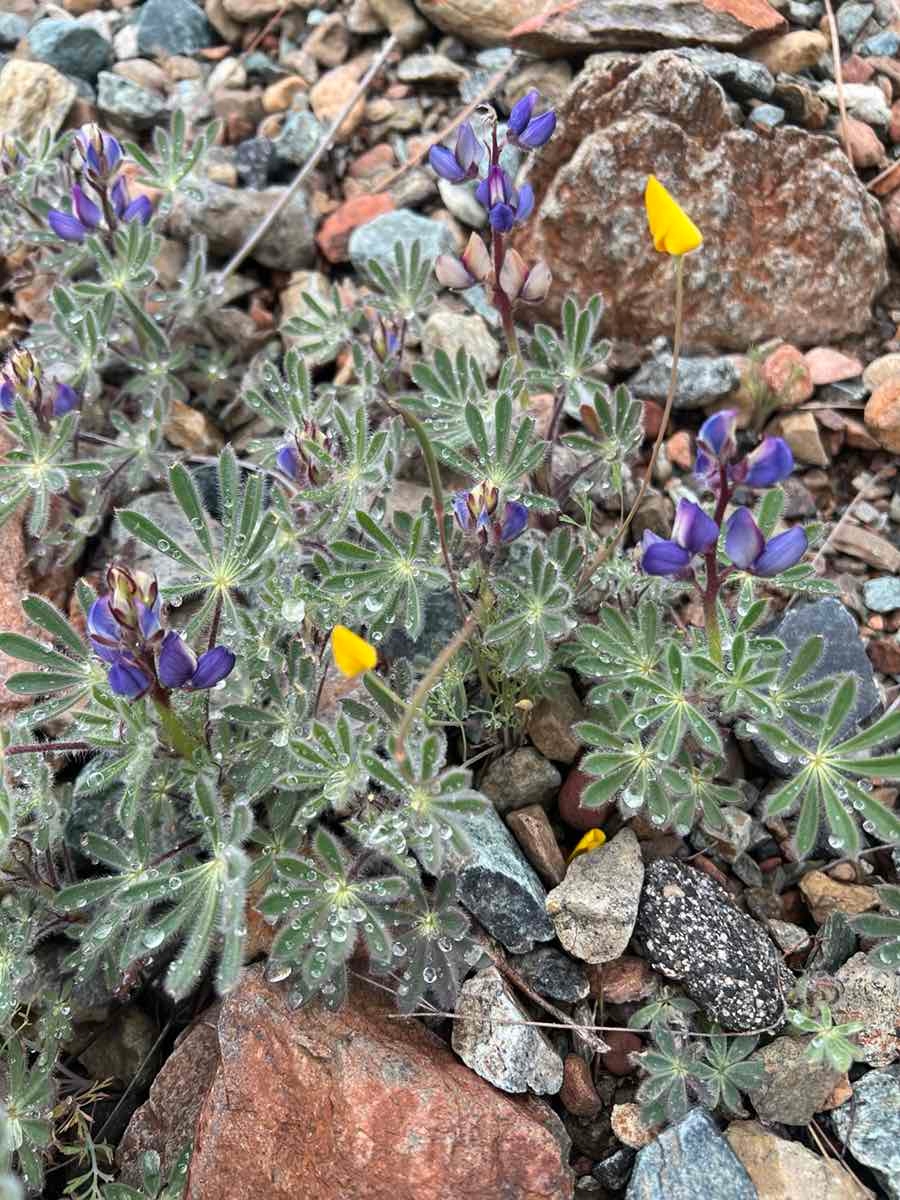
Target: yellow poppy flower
x=671 y=228
x=352 y=654
x=591 y=840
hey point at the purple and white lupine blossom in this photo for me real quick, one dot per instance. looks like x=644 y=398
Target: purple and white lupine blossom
x=770 y=463
x=461 y=163
x=480 y=512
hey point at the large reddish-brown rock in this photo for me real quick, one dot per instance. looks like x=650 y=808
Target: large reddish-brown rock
x=571 y=26
x=761 y=271
x=343 y=1106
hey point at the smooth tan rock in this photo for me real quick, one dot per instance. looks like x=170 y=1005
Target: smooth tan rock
x=344 y=1106
x=783 y=1170
x=758 y=274
x=792 y=52
x=825 y=895
x=531 y=828
x=190 y=429
x=329 y=95
x=879 y=370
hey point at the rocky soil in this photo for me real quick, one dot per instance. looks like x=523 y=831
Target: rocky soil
x=793 y=318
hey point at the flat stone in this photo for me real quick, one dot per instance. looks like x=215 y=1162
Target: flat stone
x=689 y=1160
x=520 y=778
x=33 y=96
x=553 y=974
x=882 y=595
x=692 y=932
x=551 y=725
x=498 y=886
x=864 y=100
x=869 y=1126
x=757 y=276
x=843 y=654
x=451 y=331
x=377 y=239
x=871 y=995
x=532 y=830
x=887 y=43
x=701 y=380
x=824 y=895
x=850 y=20
x=172 y=27
x=740 y=77
x=492 y=1036
x=73 y=47
x=388 y=1112
x=430 y=68
x=793 y=1089
x=835 y=943
x=649 y=24
x=134 y=106
x=595 y=907
x=783 y=1170
x=227 y=215
x=299 y=136
x=12 y=29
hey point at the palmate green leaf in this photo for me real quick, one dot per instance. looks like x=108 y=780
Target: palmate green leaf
x=40 y=612
x=150 y=534
x=531 y=617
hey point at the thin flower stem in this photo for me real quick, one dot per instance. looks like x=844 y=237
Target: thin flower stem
x=44 y=748
x=838 y=78
x=428 y=681
x=265 y=225
x=605 y=551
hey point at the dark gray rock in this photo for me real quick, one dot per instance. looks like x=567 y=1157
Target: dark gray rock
x=740 y=77
x=498 y=886
x=12 y=29
x=442 y=621
x=173 y=27
x=376 y=239
x=262 y=69
x=882 y=595
x=843 y=654
x=71 y=47
x=128 y=102
x=700 y=380
x=835 y=943
x=692 y=932
x=869 y=1126
x=253 y=159
x=689 y=1161
x=613 y=1172
x=846 y=391
x=520 y=778
x=553 y=974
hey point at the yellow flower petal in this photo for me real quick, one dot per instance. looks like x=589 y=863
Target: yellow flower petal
x=352 y=654
x=671 y=228
x=591 y=840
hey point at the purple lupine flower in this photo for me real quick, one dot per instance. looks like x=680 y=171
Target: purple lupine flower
x=461 y=163
x=288 y=460
x=139 y=209
x=104 y=631
x=524 y=129
x=768 y=464
x=65 y=400
x=748 y=549
x=716 y=442
x=693 y=532
x=21 y=376
x=96 y=152
x=506 y=206
x=478 y=511
x=179 y=667
x=473 y=266
x=127 y=679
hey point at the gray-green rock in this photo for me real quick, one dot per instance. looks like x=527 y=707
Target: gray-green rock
x=520 y=778
x=553 y=974
x=499 y=887
x=689 y=1161
x=12 y=29
x=71 y=46
x=173 y=27
x=793 y=1089
x=128 y=102
x=299 y=136
x=701 y=380
x=376 y=239
x=869 y=1126
x=882 y=595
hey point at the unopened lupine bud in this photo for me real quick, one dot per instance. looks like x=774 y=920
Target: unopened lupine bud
x=519 y=283
x=96 y=153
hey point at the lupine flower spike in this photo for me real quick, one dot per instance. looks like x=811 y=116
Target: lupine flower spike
x=21 y=376
x=352 y=654
x=671 y=228
x=96 y=159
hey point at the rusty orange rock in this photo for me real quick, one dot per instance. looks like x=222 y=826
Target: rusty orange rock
x=334 y=236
